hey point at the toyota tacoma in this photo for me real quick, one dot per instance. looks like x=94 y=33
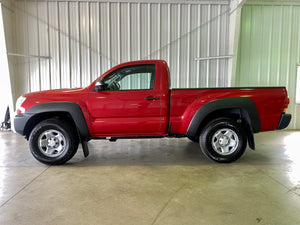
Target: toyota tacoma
x=134 y=100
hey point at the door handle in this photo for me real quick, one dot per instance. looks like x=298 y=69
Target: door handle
x=151 y=98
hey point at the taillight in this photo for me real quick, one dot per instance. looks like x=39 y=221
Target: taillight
x=286 y=104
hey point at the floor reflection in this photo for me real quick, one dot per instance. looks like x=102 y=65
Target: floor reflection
x=292 y=151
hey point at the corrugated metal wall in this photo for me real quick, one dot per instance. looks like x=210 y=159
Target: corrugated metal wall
x=6 y=76
x=6 y=87
x=76 y=41
x=269 y=49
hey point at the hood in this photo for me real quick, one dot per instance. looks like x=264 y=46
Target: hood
x=55 y=92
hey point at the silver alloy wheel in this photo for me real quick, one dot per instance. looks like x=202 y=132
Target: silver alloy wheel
x=52 y=143
x=225 y=141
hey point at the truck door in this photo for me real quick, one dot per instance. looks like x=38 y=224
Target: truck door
x=127 y=102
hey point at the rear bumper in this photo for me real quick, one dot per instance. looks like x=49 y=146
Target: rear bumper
x=285 y=120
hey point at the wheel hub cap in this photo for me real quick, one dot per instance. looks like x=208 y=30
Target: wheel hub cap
x=52 y=143
x=225 y=141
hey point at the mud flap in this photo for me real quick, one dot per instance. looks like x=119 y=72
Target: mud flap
x=251 y=141
x=85 y=148
x=250 y=137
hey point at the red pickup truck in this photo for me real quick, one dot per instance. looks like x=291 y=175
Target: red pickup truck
x=134 y=100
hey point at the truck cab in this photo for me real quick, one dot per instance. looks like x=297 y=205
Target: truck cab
x=131 y=100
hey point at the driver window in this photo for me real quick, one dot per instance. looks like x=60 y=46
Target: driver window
x=139 y=77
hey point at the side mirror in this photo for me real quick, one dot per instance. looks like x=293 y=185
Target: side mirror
x=100 y=86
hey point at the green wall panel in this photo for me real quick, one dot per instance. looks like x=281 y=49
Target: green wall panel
x=269 y=49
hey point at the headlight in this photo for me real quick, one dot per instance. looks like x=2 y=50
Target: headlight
x=19 y=108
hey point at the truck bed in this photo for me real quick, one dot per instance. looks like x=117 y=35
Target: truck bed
x=269 y=102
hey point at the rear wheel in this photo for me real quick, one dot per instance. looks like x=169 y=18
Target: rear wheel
x=53 y=142
x=223 y=140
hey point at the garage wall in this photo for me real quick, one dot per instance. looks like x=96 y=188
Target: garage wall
x=269 y=48
x=7 y=76
x=70 y=43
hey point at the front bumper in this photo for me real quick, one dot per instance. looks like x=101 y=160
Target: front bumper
x=20 y=122
x=285 y=120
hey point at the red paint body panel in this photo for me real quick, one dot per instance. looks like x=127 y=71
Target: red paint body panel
x=126 y=112
x=185 y=103
x=76 y=95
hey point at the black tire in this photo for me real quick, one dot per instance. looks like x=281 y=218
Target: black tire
x=194 y=139
x=53 y=142
x=223 y=140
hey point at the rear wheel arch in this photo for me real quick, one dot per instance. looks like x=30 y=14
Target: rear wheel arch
x=242 y=110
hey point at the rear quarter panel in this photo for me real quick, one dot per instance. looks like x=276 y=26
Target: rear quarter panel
x=185 y=103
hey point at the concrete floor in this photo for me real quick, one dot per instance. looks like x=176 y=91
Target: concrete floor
x=160 y=181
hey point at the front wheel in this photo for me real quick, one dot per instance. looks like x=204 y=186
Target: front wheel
x=53 y=142
x=223 y=140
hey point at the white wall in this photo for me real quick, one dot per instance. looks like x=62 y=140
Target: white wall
x=7 y=70
x=81 y=40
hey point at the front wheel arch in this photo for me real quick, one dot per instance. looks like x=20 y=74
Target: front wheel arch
x=40 y=117
x=65 y=110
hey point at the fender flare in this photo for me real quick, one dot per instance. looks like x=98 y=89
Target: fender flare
x=67 y=107
x=244 y=104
